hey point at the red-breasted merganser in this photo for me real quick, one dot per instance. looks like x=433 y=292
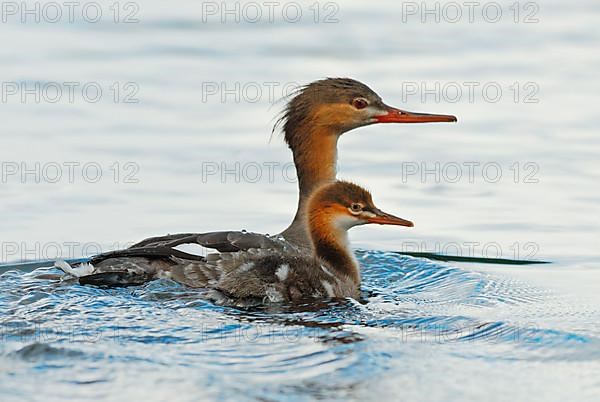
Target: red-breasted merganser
x=329 y=270
x=312 y=123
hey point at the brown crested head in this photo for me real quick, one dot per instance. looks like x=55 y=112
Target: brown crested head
x=331 y=103
x=337 y=105
x=342 y=205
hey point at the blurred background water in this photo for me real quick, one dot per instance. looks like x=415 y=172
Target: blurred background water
x=185 y=97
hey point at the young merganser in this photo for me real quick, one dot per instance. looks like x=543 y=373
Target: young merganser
x=330 y=270
x=312 y=123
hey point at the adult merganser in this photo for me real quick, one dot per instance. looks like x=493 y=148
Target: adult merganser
x=312 y=123
x=329 y=270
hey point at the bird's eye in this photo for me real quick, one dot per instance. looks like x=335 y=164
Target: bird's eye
x=360 y=103
x=355 y=208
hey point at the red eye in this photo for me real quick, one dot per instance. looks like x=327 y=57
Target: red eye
x=360 y=103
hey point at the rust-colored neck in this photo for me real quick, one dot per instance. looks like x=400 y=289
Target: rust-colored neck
x=315 y=158
x=331 y=245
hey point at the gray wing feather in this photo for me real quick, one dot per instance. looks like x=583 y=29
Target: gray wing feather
x=221 y=241
x=157 y=257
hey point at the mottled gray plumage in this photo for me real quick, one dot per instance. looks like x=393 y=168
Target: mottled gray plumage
x=276 y=271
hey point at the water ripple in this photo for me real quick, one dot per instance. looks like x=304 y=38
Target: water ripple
x=408 y=304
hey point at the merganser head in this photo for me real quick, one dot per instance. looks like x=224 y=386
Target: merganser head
x=341 y=205
x=341 y=104
x=334 y=208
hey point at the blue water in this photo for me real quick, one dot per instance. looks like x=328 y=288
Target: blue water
x=421 y=325
x=427 y=330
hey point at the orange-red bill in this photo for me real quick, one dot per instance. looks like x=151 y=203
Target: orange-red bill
x=402 y=116
x=383 y=218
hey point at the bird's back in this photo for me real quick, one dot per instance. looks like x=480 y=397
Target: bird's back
x=276 y=271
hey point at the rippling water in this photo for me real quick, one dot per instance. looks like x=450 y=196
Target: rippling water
x=425 y=331
x=420 y=323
